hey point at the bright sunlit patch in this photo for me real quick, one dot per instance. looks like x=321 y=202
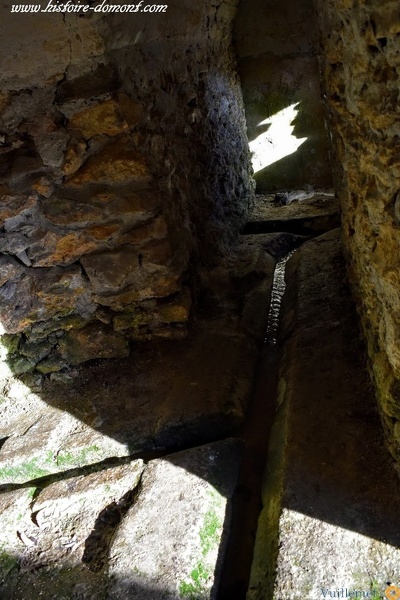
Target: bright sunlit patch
x=318 y=559
x=31 y=449
x=278 y=141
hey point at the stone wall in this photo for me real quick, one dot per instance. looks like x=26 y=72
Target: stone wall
x=276 y=45
x=361 y=68
x=124 y=166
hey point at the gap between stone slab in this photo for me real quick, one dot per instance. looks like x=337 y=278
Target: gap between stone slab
x=108 y=463
x=97 y=545
x=247 y=501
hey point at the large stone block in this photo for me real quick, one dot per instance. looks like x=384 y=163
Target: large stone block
x=36 y=295
x=185 y=496
x=13 y=204
x=93 y=341
x=123 y=276
x=103 y=118
x=108 y=117
x=52 y=535
x=118 y=162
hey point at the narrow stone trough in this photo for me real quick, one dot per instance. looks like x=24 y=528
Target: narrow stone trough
x=247 y=501
x=330 y=522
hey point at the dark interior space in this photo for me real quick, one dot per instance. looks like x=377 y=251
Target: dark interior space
x=199 y=300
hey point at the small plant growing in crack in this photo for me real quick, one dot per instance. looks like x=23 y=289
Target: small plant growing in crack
x=194 y=588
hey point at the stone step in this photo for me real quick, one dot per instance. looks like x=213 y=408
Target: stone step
x=313 y=215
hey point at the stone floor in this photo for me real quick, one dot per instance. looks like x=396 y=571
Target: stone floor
x=133 y=479
x=116 y=478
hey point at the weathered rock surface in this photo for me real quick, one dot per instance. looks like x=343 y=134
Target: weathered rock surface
x=316 y=213
x=172 y=541
x=331 y=497
x=77 y=532
x=61 y=530
x=173 y=394
x=361 y=70
x=113 y=172
x=168 y=394
x=128 y=531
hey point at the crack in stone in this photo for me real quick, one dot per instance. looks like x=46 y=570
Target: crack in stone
x=97 y=545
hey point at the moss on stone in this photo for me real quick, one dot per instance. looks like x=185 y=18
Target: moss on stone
x=131 y=320
x=7 y=562
x=26 y=471
x=210 y=532
x=194 y=588
x=41 y=466
x=10 y=342
x=20 y=365
x=68 y=459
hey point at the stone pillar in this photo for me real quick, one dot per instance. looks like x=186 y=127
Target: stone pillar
x=124 y=166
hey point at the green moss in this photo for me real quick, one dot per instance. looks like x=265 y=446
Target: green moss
x=31 y=492
x=42 y=466
x=7 y=562
x=209 y=534
x=41 y=330
x=131 y=320
x=194 y=589
x=10 y=342
x=20 y=365
x=23 y=472
x=66 y=459
x=50 y=365
x=376 y=591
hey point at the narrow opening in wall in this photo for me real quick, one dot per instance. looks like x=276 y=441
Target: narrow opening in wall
x=276 y=141
x=276 y=48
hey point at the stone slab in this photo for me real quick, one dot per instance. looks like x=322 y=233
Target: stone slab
x=50 y=536
x=321 y=203
x=174 y=394
x=171 y=544
x=331 y=497
x=152 y=531
x=306 y=213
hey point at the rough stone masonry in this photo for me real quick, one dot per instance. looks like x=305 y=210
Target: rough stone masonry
x=360 y=70
x=124 y=167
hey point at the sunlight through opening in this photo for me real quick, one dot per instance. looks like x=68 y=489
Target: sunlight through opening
x=278 y=141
